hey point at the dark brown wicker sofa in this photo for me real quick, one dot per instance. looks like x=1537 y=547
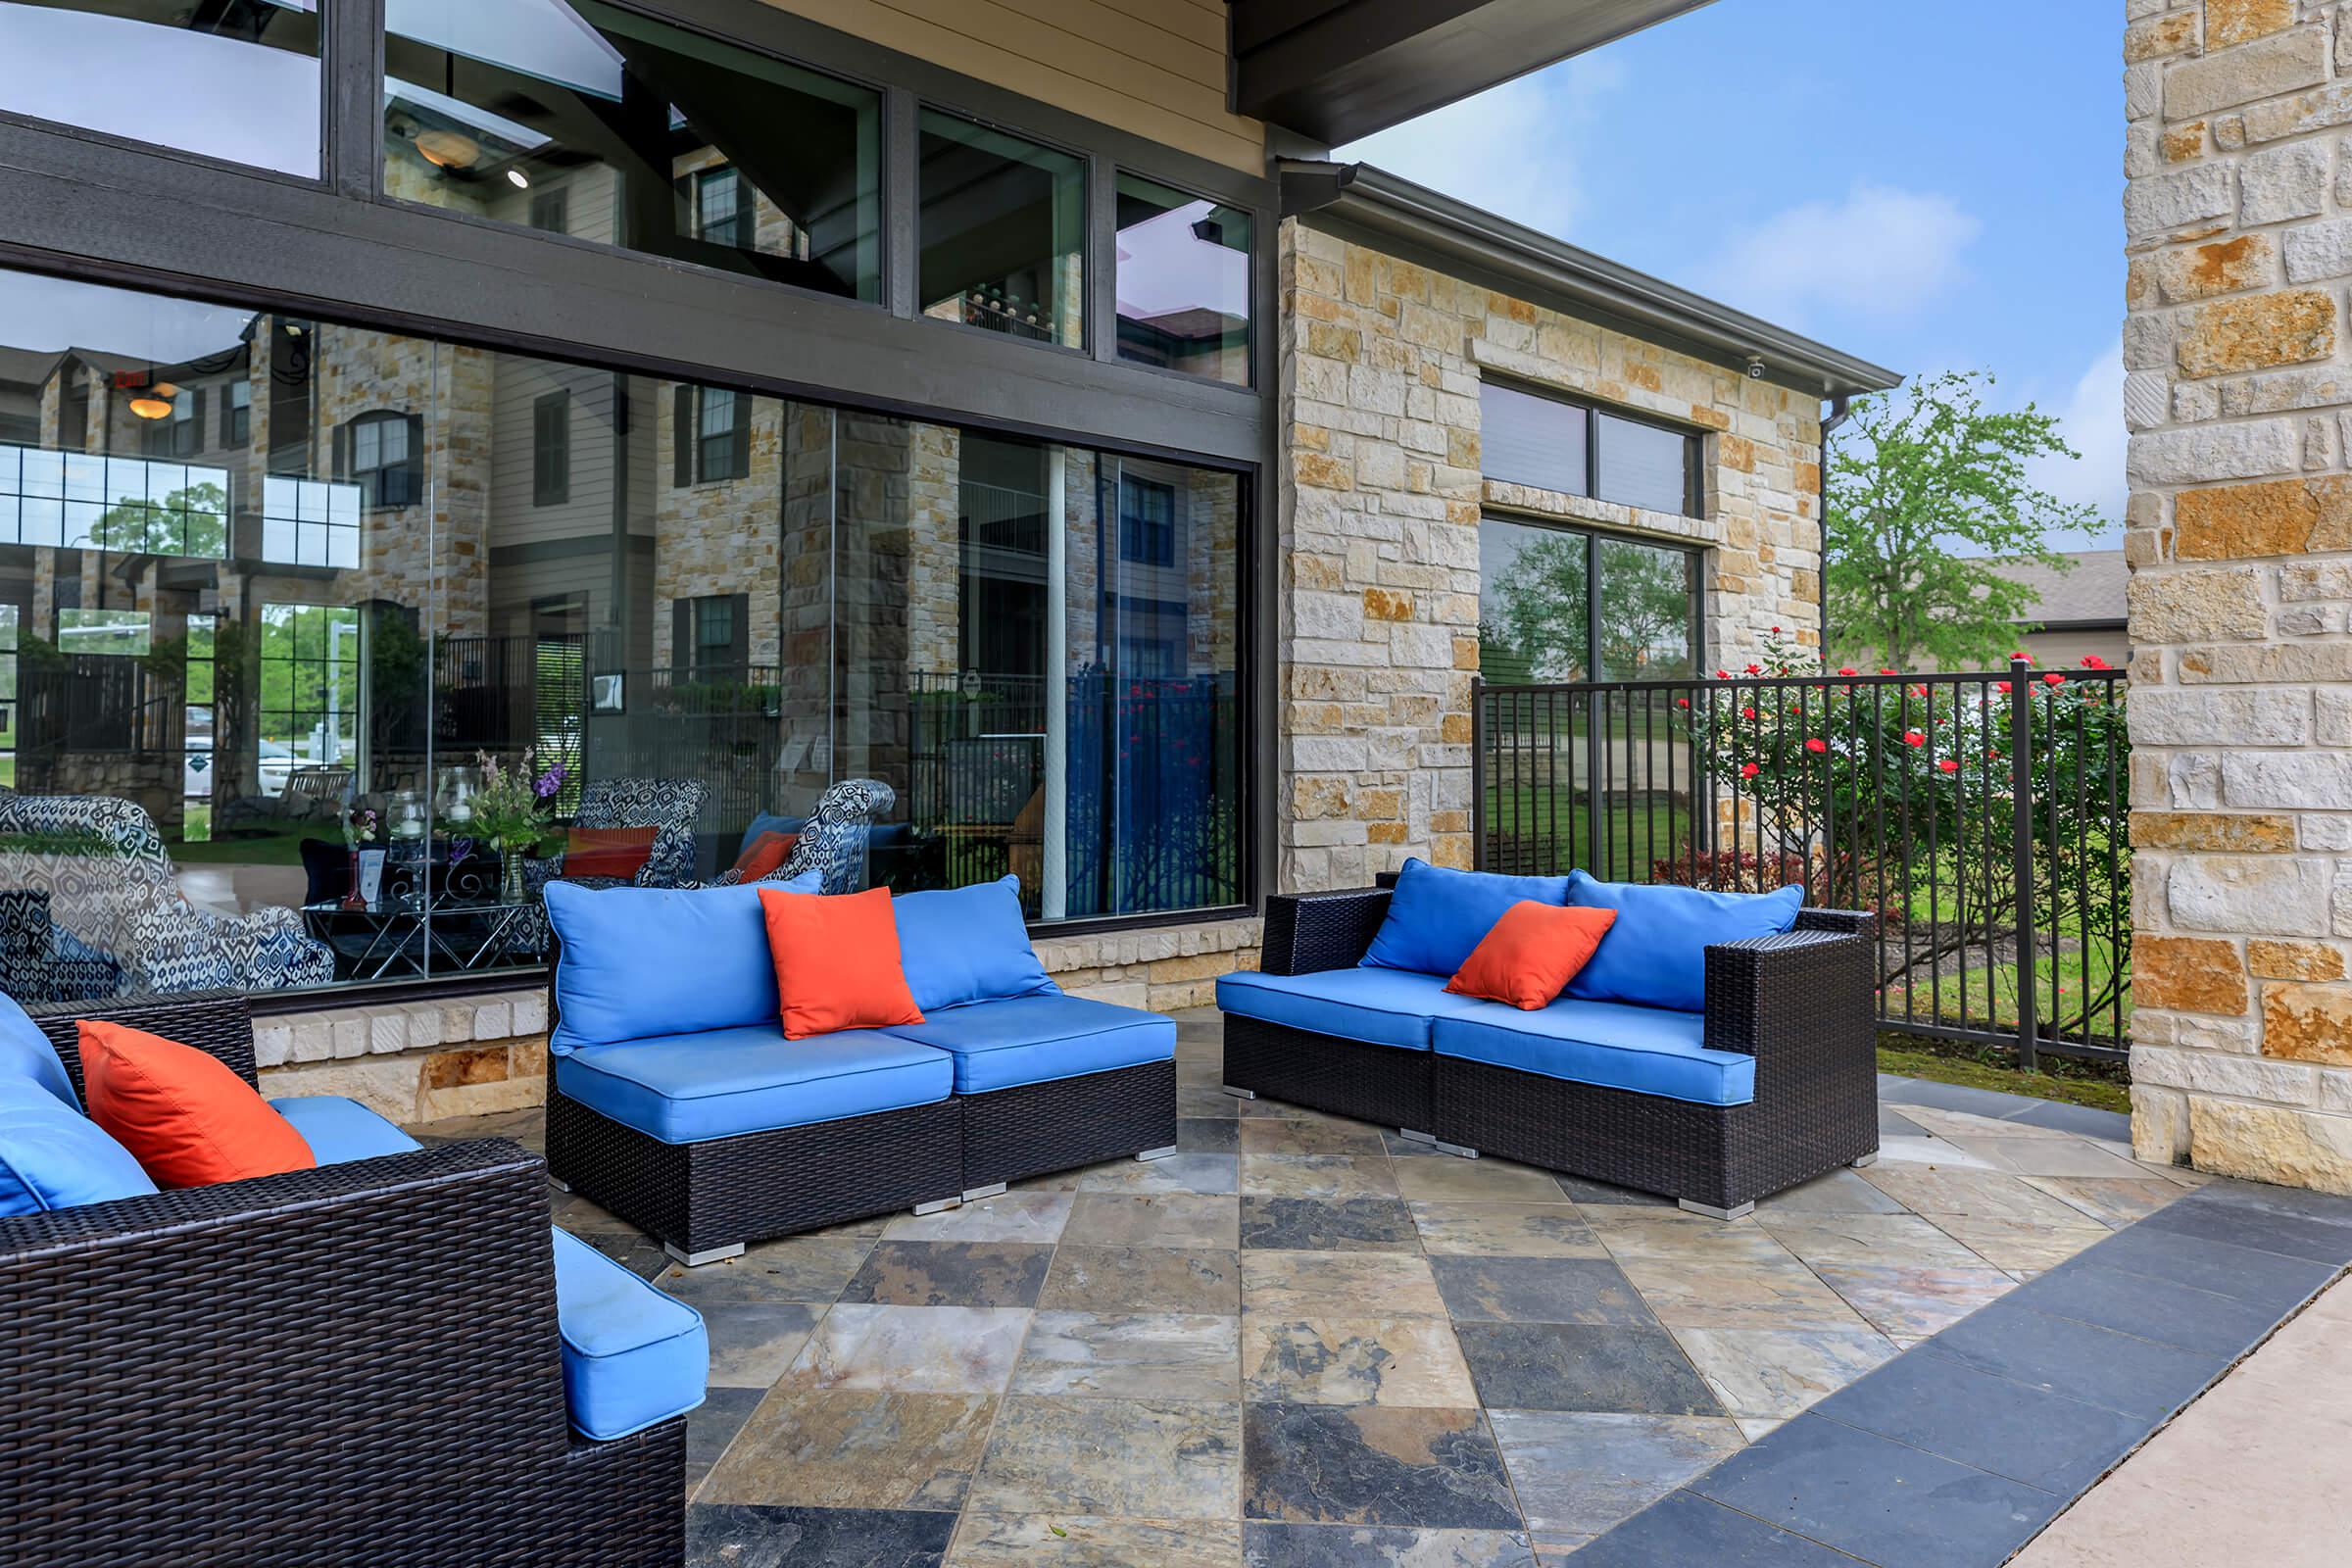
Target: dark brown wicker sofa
x=1801 y=1003
x=728 y=1133
x=359 y=1363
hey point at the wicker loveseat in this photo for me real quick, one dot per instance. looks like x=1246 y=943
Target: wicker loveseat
x=1774 y=1084
x=675 y=1101
x=360 y=1363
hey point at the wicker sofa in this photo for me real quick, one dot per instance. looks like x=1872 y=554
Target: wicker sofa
x=725 y=1133
x=362 y=1362
x=1780 y=1088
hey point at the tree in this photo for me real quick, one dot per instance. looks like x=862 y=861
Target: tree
x=1536 y=631
x=1918 y=477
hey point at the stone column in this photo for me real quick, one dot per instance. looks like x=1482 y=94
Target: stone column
x=2238 y=218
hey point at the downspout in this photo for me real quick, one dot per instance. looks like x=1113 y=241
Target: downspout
x=1837 y=415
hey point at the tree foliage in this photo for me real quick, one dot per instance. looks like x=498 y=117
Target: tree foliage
x=1929 y=504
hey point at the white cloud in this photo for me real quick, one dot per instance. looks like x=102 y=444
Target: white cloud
x=1881 y=252
x=1511 y=149
x=2092 y=424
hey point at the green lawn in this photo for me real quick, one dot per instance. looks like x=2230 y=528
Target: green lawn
x=2072 y=1083
x=1554 y=827
x=1978 y=993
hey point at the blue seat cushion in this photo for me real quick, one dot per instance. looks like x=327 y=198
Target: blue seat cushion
x=1379 y=1006
x=633 y=1358
x=1035 y=1040
x=1436 y=915
x=26 y=1052
x=967 y=945
x=644 y=962
x=52 y=1156
x=1656 y=953
x=685 y=1089
x=1651 y=1051
x=341 y=1130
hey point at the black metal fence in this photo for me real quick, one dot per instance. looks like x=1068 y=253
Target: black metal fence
x=1981 y=815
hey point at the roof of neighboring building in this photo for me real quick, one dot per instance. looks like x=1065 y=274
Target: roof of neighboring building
x=28 y=367
x=1524 y=262
x=2089 y=595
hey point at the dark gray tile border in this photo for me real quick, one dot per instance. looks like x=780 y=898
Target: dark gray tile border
x=1992 y=1423
x=1959 y=1451
x=2083 y=1121
x=1686 y=1527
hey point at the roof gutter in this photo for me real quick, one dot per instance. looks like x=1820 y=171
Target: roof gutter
x=1551 y=270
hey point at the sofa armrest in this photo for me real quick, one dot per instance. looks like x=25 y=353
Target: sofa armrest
x=1854 y=922
x=1808 y=991
x=215 y=1023
x=192 y=1365
x=1309 y=932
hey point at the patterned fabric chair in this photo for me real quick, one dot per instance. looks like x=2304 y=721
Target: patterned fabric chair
x=670 y=806
x=109 y=883
x=835 y=836
x=39 y=963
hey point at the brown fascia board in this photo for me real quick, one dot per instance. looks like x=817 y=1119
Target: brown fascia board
x=1515 y=259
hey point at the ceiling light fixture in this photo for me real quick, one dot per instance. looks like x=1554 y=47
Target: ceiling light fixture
x=448 y=149
x=147 y=405
x=518 y=179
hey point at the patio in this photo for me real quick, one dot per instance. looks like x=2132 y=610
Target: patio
x=1303 y=1340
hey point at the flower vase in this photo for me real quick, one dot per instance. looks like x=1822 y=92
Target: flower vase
x=512 y=888
x=352 y=897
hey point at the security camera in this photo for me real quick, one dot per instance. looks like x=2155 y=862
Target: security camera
x=1755 y=367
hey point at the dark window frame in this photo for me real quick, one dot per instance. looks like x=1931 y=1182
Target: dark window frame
x=374 y=493
x=236 y=417
x=1098 y=335
x=1694 y=454
x=1694 y=552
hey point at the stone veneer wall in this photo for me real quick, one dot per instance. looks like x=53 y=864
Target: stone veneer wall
x=2238 y=392
x=1381 y=361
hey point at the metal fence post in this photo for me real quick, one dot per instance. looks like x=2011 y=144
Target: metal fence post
x=2021 y=830
x=1478 y=773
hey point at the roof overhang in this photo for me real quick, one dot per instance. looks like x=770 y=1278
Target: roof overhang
x=1436 y=229
x=1336 y=69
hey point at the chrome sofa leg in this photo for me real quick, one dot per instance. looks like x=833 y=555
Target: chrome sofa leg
x=709 y=1255
x=1455 y=1149
x=1417 y=1137
x=1239 y=1093
x=559 y=1184
x=1735 y=1211
x=1158 y=1153
x=977 y=1193
x=937 y=1205
x=1870 y=1158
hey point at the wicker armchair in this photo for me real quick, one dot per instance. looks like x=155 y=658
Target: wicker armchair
x=356 y=1364
x=1801 y=1003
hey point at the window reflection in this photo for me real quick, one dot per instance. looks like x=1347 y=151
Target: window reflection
x=585 y=119
x=253 y=710
x=236 y=79
x=1183 y=281
x=1002 y=231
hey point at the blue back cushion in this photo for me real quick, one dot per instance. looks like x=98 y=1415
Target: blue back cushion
x=969 y=944
x=1435 y=916
x=53 y=1157
x=26 y=1052
x=769 y=822
x=1655 y=954
x=641 y=961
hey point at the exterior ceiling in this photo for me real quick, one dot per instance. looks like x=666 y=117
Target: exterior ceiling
x=1336 y=69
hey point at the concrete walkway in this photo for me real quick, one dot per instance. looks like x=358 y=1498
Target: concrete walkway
x=2252 y=1473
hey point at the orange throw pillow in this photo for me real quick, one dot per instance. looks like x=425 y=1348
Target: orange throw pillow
x=837 y=961
x=186 y=1116
x=767 y=852
x=1532 y=954
x=617 y=852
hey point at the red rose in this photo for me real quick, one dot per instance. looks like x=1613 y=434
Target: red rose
x=1817 y=744
x=1948 y=766
x=2053 y=678
x=1912 y=737
x=1748 y=770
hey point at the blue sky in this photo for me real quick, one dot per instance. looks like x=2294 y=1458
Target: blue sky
x=1930 y=187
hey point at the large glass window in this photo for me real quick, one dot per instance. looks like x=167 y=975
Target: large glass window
x=268 y=688
x=1555 y=442
x=236 y=79
x=587 y=120
x=1562 y=605
x=1183 y=281
x=1002 y=231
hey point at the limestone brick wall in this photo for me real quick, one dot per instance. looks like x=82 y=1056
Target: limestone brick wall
x=1382 y=364
x=2238 y=392
x=721 y=536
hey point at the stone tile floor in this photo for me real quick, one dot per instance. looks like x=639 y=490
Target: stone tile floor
x=1305 y=1343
